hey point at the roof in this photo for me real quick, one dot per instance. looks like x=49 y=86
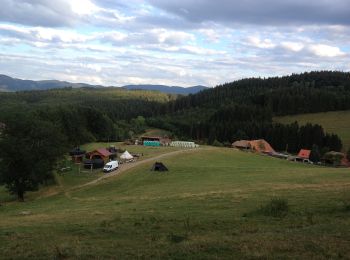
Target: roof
x=241 y=144
x=103 y=151
x=261 y=146
x=304 y=153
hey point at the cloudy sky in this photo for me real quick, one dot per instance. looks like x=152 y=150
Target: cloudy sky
x=173 y=42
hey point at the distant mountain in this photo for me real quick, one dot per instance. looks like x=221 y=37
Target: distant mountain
x=10 y=84
x=167 y=89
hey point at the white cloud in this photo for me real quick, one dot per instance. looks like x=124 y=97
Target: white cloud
x=293 y=46
x=117 y=42
x=323 y=50
x=263 y=44
x=83 y=7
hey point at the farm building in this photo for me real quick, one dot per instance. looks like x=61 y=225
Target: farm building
x=152 y=140
x=304 y=154
x=101 y=153
x=260 y=146
x=242 y=144
x=184 y=144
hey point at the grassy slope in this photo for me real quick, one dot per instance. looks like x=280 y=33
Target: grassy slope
x=156 y=132
x=197 y=210
x=337 y=122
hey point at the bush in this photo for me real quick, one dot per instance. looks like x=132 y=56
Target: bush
x=277 y=208
x=315 y=155
x=217 y=143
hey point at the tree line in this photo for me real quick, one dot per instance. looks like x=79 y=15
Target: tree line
x=236 y=122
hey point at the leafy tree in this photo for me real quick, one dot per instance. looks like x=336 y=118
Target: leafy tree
x=29 y=149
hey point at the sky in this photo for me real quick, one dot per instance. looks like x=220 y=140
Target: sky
x=171 y=42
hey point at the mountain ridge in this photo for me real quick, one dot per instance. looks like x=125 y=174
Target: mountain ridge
x=10 y=84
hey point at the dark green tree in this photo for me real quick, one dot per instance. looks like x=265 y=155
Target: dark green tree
x=315 y=155
x=29 y=150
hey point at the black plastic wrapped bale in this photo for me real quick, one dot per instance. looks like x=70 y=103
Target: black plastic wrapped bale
x=159 y=167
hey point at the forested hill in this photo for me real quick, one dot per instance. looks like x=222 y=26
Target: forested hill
x=239 y=110
x=244 y=109
x=296 y=94
x=87 y=114
x=168 y=89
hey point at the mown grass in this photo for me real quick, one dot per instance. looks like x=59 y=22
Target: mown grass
x=200 y=209
x=337 y=122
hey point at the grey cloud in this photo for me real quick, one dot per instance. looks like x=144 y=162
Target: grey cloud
x=264 y=12
x=45 y=13
x=115 y=4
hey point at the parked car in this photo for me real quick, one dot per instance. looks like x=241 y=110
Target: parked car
x=111 y=166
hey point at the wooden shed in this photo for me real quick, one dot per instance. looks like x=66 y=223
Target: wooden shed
x=101 y=153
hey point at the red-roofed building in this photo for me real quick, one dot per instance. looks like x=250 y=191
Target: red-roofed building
x=260 y=146
x=305 y=154
x=101 y=153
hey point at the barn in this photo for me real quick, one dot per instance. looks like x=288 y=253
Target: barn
x=260 y=146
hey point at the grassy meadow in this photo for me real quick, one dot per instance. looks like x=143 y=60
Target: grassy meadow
x=214 y=203
x=337 y=122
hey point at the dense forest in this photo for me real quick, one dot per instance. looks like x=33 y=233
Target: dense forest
x=88 y=114
x=239 y=110
x=244 y=109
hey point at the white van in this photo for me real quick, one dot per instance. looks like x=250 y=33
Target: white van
x=111 y=166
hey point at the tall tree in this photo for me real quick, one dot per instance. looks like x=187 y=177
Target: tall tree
x=29 y=149
x=315 y=155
